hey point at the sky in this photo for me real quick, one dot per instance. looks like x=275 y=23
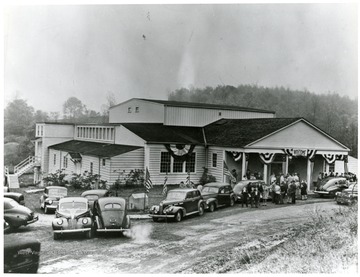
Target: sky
x=56 y=52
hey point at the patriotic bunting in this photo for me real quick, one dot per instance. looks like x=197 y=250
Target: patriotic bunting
x=236 y=155
x=267 y=158
x=182 y=151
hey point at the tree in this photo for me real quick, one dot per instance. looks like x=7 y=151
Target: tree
x=110 y=101
x=18 y=118
x=73 y=108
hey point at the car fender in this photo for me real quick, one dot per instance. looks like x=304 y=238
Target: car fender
x=57 y=226
x=209 y=202
x=202 y=202
x=177 y=208
x=16 y=221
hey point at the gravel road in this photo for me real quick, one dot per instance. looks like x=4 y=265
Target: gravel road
x=167 y=247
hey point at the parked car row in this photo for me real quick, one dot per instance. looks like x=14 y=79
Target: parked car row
x=180 y=203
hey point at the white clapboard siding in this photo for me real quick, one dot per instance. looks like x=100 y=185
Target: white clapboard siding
x=217 y=171
x=86 y=161
x=127 y=161
x=157 y=178
x=182 y=116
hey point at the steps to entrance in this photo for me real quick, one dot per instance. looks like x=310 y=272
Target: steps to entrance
x=13 y=181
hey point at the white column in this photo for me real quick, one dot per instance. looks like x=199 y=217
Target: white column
x=308 y=174
x=243 y=166
x=286 y=164
x=224 y=160
x=265 y=173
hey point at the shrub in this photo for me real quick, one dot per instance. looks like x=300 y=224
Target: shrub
x=86 y=181
x=56 y=179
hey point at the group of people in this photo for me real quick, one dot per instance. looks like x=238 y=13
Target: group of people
x=348 y=175
x=282 y=188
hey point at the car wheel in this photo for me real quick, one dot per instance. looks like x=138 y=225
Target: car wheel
x=201 y=210
x=178 y=216
x=212 y=207
x=232 y=202
x=155 y=219
x=56 y=236
x=46 y=210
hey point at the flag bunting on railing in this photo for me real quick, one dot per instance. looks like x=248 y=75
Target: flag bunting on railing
x=267 y=158
x=228 y=173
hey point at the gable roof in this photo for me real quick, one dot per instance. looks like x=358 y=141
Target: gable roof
x=240 y=132
x=198 y=105
x=159 y=133
x=94 y=148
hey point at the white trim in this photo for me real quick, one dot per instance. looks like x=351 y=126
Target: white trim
x=296 y=122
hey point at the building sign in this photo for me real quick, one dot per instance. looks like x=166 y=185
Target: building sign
x=300 y=152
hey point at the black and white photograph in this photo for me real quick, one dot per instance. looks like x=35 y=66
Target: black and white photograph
x=180 y=138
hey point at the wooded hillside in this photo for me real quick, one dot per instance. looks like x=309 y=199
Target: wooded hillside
x=336 y=115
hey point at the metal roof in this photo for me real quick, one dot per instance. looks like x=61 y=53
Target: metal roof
x=198 y=105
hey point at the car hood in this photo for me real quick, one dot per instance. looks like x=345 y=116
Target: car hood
x=170 y=202
x=54 y=198
x=20 y=209
x=73 y=214
x=113 y=217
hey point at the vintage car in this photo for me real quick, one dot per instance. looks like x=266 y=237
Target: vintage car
x=178 y=204
x=246 y=183
x=348 y=196
x=17 y=196
x=217 y=194
x=94 y=194
x=21 y=255
x=110 y=215
x=73 y=215
x=16 y=215
x=50 y=198
x=330 y=186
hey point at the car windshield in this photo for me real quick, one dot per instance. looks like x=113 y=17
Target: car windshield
x=10 y=204
x=57 y=192
x=176 y=195
x=210 y=189
x=92 y=197
x=71 y=206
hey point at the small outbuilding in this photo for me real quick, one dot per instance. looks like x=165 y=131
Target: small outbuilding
x=138 y=201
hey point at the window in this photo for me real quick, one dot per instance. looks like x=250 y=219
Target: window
x=136 y=109
x=129 y=109
x=178 y=165
x=214 y=159
x=332 y=167
x=165 y=161
x=91 y=168
x=65 y=162
x=190 y=163
x=54 y=159
x=103 y=162
x=219 y=113
x=169 y=164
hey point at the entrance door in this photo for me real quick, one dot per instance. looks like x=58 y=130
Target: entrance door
x=276 y=168
x=78 y=168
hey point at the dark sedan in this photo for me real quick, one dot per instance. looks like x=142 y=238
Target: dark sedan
x=21 y=255
x=16 y=215
x=217 y=194
x=17 y=196
x=111 y=215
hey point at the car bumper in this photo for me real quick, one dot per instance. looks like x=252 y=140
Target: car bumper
x=111 y=230
x=36 y=218
x=162 y=215
x=51 y=207
x=68 y=231
x=322 y=192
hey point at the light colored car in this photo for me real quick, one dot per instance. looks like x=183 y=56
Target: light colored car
x=348 y=196
x=73 y=215
x=50 y=198
x=330 y=186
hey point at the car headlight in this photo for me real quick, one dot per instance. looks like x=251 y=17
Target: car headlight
x=338 y=194
x=85 y=221
x=50 y=202
x=59 y=221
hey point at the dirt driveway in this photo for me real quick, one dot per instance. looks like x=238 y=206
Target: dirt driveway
x=168 y=247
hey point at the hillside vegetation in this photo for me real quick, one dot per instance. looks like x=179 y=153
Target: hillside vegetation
x=336 y=115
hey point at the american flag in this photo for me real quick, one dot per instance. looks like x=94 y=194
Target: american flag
x=188 y=182
x=164 y=191
x=148 y=184
x=228 y=173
